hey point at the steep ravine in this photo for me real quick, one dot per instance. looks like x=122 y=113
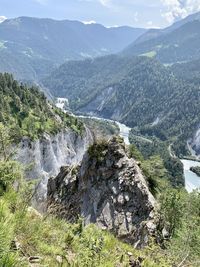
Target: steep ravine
x=192 y=181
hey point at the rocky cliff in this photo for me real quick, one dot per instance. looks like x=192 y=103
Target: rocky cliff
x=194 y=144
x=108 y=189
x=44 y=157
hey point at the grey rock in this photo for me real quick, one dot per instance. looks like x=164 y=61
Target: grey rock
x=119 y=202
x=59 y=259
x=44 y=158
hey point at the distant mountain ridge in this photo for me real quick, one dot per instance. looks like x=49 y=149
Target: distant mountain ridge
x=177 y=43
x=30 y=47
x=178 y=46
x=154 y=33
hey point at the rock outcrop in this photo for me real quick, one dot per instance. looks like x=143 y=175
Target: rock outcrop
x=108 y=189
x=194 y=144
x=45 y=156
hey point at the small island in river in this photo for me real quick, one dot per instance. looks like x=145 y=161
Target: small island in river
x=196 y=170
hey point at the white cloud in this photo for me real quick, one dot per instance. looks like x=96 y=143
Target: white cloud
x=2 y=18
x=89 y=22
x=150 y=23
x=176 y=9
x=106 y=3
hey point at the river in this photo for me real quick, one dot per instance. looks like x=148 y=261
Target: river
x=123 y=129
x=192 y=181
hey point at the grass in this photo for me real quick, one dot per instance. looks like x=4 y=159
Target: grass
x=51 y=238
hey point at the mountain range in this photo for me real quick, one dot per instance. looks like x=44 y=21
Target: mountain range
x=32 y=47
x=154 y=33
x=179 y=45
x=123 y=86
x=127 y=85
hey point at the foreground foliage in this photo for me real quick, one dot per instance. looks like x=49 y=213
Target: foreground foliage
x=24 y=233
x=52 y=239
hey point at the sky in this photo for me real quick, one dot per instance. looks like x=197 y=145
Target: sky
x=136 y=13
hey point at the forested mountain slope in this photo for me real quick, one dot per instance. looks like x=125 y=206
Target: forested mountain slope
x=80 y=81
x=182 y=44
x=189 y=71
x=27 y=111
x=137 y=91
x=30 y=47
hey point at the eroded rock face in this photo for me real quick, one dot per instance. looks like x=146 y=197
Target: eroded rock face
x=44 y=157
x=194 y=144
x=108 y=189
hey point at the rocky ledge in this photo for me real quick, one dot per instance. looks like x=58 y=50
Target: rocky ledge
x=108 y=189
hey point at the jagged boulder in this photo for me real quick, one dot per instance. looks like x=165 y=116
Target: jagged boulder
x=107 y=189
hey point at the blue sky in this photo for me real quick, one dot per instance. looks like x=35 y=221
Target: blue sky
x=137 y=13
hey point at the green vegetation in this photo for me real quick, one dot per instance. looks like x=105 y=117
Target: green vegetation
x=153 y=168
x=102 y=129
x=87 y=78
x=98 y=150
x=127 y=88
x=25 y=234
x=188 y=71
x=157 y=148
x=36 y=46
x=175 y=44
x=179 y=213
x=28 y=113
x=196 y=170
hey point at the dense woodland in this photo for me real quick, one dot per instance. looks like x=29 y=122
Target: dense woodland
x=28 y=113
x=154 y=149
x=126 y=89
x=188 y=71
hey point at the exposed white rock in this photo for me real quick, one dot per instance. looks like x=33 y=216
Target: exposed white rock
x=62 y=103
x=194 y=144
x=43 y=158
